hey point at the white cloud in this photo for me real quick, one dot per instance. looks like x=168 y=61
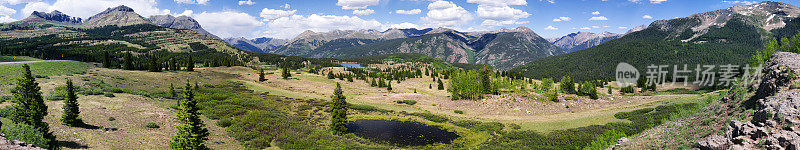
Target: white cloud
x=186 y=13
x=598 y=18
x=202 y=2
x=79 y=8
x=15 y=2
x=286 y=6
x=595 y=27
x=228 y=23
x=499 y=12
x=550 y=28
x=409 y=12
x=657 y=1
x=404 y=25
x=363 y=12
x=647 y=17
x=268 y=14
x=445 y=13
x=585 y=28
x=562 y=19
x=741 y=2
x=596 y=13
x=6 y=11
x=5 y=19
x=622 y=27
x=288 y=27
x=247 y=2
x=356 y=4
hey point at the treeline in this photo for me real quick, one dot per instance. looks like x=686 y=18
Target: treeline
x=294 y=62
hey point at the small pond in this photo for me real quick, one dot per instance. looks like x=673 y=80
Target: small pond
x=351 y=65
x=402 y=133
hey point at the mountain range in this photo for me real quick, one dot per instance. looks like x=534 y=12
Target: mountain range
x=726 y=36
x=259 y=45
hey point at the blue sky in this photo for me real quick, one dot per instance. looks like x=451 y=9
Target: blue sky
x=287 y=18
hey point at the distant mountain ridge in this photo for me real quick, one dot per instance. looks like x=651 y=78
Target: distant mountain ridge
x=504 y=48
x=180 y=22
x=582 y=40
x=259 y=45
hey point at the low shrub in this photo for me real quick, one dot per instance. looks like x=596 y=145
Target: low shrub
x=225 y=122
x=111 y=119
x=458 y=111
x=151 y=125
x=431 y=117
x=108 y=94
x=409 y=102
x=52 y=96
x=25 y=133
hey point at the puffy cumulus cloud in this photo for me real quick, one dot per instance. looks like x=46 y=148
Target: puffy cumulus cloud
x=596 y=13
x=286 y=6
x=562 y=19
x=409 y=12
x=363 y=12
x=228 y=23
x=269 y=14
x=288 y=27
x=598 y=18
x=499 y=12
x=88 y=8
x=550 y=28
x=185 y=13
x=6 y=11
x=247 y=2
x=404 y=25
x=203 y=2
x=445 y=13
x=15 y=2
x=647 y=17
x=356 y=4
x=5 y=19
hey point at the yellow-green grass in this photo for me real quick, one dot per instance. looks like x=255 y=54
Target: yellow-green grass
x=571 y=120
x=467 y=138
x=17 y=58
x=10 y=72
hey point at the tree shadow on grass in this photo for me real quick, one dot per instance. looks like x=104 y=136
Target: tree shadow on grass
x=88 y=126
x=72 y=145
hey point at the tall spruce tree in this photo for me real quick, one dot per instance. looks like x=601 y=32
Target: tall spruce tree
x=29 y=107
x=172 y=92
x=285 y=73
x=71 y=111
x=261 y=75
x=389 y=86
x=191 y=133
x=128 y=64
x=441 y=85
x=106 y=60
x=190 y=64
x=486 y=82
x=154 y=65
x=339 y=111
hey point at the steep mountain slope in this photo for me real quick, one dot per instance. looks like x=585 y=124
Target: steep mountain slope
x=181 y=22
x=57 y=16
x=449 y=46
x=508 y=49
x=307 y=42
x=120 y=16
x=116 y=30
x=582 y=40
x=259 y=45
x=728 y=36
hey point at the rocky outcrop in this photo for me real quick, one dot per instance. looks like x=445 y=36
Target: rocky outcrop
x=119 y=16
x=57 y=16
x=181 y=22
x=776 y=116
x=5 y=144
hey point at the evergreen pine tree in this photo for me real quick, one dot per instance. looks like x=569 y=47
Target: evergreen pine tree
x=191 y=133
x=285 y=73
x=440 y=86
x=389 y=86
x=154 y=65
x=172 y=91
x=261 y=75
x=190 y=64
x=373 y=84
x=29 y=107
x=330 y=75
x=128 y=64
x=486 y=83
x=106 y=60
x=567 y=85
x=430 y=86
x=339 y=111
x=71 y=112
x=381 y=83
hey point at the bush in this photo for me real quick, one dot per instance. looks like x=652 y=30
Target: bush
x=458 y=111
x=151 y=125
x=225 y=122
x=409 y=102
x=111 y=119
x=552 y=96
x=5 y=98
x=52 y=96
x=108 y=94
x=5 y=112
x=466 y=123
x=431 y=117
x=25 y=133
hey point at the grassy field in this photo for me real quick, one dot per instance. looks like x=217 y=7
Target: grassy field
x=17 y=58
x=10 y=72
